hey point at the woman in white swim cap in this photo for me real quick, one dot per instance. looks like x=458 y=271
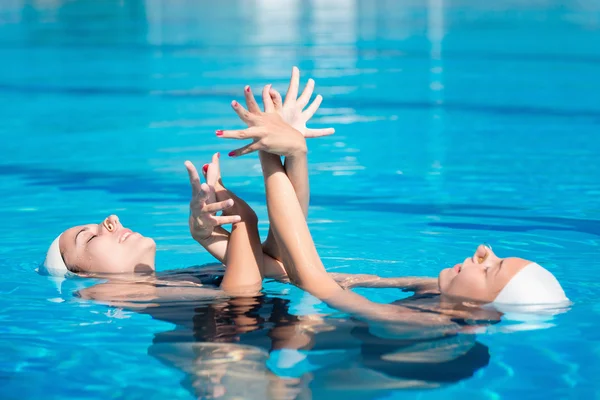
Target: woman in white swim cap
x=107 y=247
x=110 y=249
x=480 y=279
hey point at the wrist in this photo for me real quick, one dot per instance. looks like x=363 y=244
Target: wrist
x=202 y=237
x=298 y=152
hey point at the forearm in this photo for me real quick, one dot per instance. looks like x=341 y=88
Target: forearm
x=391 y=319
x=374 y=281
x=296 y=169
x=244 y=260
x=216 y=244
x=302 y=264
x=243 y=272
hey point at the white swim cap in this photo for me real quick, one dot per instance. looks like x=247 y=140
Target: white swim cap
x=54 y=265
x=533 y=285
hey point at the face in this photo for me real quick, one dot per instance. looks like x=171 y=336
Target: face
x=480 y=277
x=107 y=248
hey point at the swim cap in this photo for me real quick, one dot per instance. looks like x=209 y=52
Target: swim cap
x=54 y=265
x=533 y=285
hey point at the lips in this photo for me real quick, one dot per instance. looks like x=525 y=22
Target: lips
x=125 y=234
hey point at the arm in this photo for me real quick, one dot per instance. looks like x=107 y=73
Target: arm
x=301 y=260
x=244 y=257
x=205 y=226
x=295 y=112
x=216 y=244
x=414 y=284
x=305 y=269
x=302 y=263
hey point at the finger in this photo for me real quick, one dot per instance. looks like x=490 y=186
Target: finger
x=194 y=177
x=251 y=101
x=276 y=98
x=312 y=109
x=205 y=191
x=230 y=219
x=248 y=133
x=241 y=112
x=216 y=207
x=306 y=93
x=313 y=133
x=214 y=171
x=207 y=194
x=267 y=102
x=292 y=91
x=204 y=170
x=252 y=147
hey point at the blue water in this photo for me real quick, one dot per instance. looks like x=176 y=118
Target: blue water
x=457 y=123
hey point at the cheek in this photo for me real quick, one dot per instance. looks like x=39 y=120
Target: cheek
x=468 y=285
x=107 y=257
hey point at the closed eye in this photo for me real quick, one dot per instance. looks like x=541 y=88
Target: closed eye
x=499 y=267
x=91 y=237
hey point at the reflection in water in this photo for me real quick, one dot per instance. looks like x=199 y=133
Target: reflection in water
x=255 y=348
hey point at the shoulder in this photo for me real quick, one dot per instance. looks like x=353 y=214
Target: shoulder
x=118 y=291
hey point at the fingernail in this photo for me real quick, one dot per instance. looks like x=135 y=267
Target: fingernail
x=234 y=103
x=218 y=155
x=205 y=168
x=219 y=132
x=232 y=154
x=247 y=89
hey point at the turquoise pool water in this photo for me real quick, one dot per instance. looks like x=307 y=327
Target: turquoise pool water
x=457 y=123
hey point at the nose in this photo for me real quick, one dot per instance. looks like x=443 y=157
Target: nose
x=111 y=223
x=485 y=256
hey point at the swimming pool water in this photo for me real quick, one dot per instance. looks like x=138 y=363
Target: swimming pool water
x=458 y=122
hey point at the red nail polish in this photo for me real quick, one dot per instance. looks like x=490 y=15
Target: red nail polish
x=247 y=89
x=234 y=103
x=218 y=155
x=232 y=154
x=205 y=168
x=219 y=132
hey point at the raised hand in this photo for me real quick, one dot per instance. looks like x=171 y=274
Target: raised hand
x=293 y=109
x=268 y=130
x=203 y=206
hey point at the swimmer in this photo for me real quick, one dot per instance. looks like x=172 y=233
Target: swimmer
x=110 y=250
x=482 y=282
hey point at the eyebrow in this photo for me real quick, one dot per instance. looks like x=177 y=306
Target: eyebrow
x=76 y=236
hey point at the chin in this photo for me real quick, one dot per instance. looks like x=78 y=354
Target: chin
x=144 y=252
x=444 y=277
x=144 y=245
x=150 y=243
